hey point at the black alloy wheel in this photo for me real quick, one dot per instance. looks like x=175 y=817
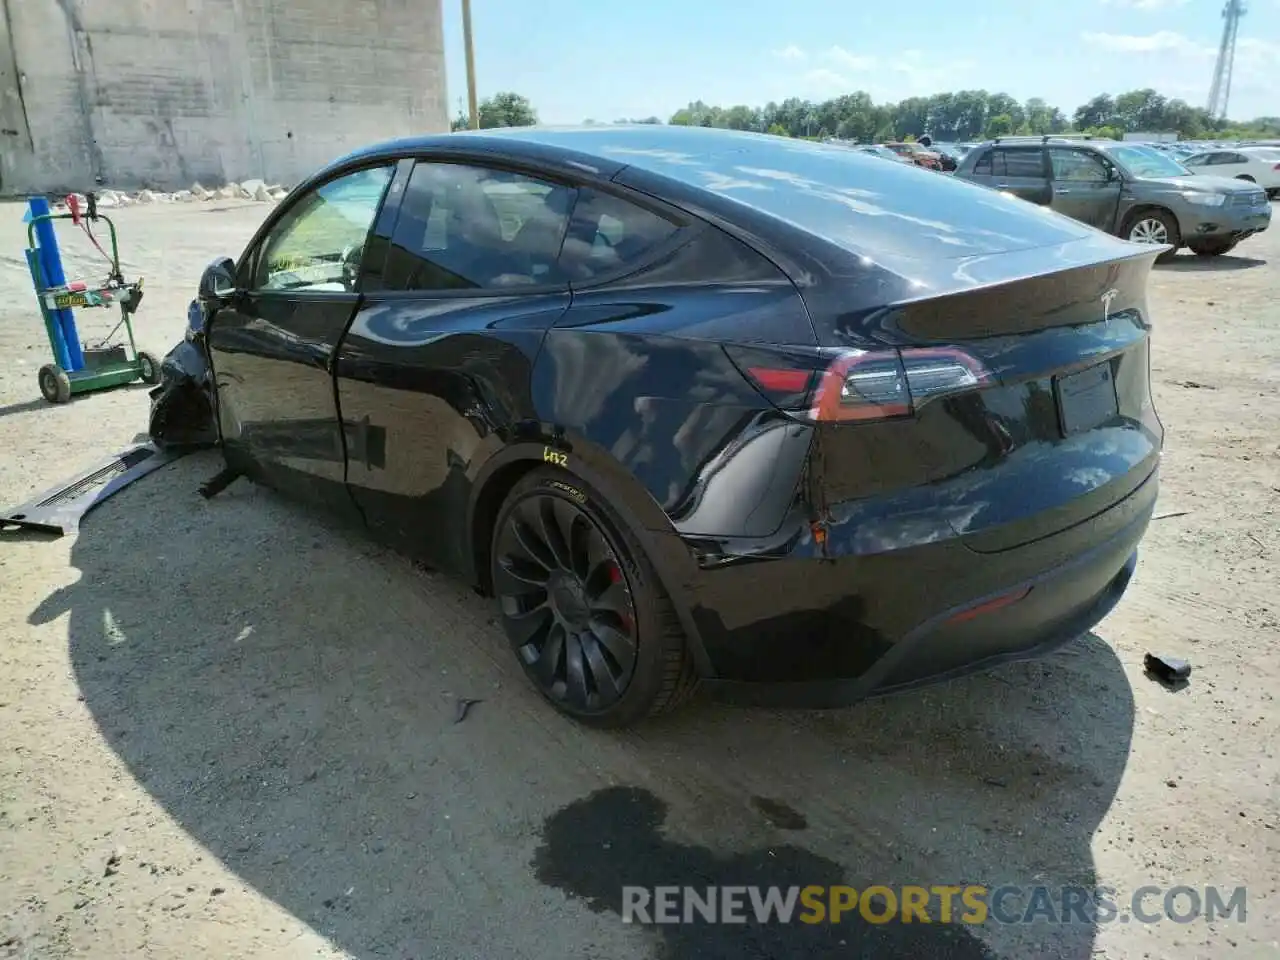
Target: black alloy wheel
x=567 y=607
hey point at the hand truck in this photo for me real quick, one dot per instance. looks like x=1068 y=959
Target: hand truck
x=107 y=363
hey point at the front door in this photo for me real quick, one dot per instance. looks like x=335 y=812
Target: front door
x=273 y=347
x=1085 y=188
x=434 y=374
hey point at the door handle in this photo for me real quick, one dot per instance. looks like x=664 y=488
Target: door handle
x=1002 y=186
x=1061 y=192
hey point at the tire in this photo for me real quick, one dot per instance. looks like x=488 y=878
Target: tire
x=584 y=610
x=148 y=367
x=55 y=385
x=1212 y=248
x=1151 y=224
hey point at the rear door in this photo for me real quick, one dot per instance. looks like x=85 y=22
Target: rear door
x=1085 y=187
x=1020 y=170
x=1264 y=166
x=433 y=375
x=272 y=349
x=1228 y=163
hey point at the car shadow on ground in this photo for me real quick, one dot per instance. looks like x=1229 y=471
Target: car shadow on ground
x=287 y=693
x=1190 y=263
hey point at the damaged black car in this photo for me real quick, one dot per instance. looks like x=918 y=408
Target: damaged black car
x=696 y=407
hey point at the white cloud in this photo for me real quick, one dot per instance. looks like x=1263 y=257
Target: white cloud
x=1261 y=49
x=838 y=71
x=925 y=76
x=1148 y=5
x=1178 y=66
x=826 y=83
x=1256 y=61
x=1163 y=41
x=850 y=61
x=790 y=52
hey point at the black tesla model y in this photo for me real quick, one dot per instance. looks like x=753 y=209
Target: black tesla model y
x=703 y=407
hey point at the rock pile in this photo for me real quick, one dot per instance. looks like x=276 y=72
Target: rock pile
x=257 y=190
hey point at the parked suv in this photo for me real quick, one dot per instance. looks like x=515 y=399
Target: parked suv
x=1126 y=189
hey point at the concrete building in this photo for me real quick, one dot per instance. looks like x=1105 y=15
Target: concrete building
x=161 y=93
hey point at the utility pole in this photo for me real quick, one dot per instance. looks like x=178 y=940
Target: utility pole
x=473 y=110
x=1220 y=91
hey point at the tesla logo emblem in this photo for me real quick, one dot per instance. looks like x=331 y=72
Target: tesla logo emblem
x=1107 y=299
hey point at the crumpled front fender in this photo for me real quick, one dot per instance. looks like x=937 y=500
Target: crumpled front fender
x=182 y=405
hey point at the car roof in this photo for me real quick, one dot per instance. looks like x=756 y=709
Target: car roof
x=1049 y=141
x=837 y=196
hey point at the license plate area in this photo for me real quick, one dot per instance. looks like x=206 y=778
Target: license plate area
x=1086 y=399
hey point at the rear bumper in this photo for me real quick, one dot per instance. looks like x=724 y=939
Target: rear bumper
x=1024 y=633
x=941 y=612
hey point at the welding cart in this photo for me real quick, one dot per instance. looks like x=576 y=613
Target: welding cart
x=109 y=361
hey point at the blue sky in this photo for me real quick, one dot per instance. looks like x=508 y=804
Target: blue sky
x=580 y=59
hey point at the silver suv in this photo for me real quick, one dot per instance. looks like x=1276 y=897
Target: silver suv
x=1126 y=189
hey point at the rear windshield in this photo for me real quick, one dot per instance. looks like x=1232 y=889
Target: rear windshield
x=862 y=203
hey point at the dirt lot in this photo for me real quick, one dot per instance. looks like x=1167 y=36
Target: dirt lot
x=227 y=730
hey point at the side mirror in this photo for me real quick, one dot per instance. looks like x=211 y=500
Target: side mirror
x=218 y=282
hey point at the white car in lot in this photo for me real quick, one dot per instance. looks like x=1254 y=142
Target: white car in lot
x=1259 y=164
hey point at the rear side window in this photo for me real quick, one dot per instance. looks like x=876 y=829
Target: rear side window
x=1011 y=162
x=472 y=228
x=607 y=233
x=1019 y=163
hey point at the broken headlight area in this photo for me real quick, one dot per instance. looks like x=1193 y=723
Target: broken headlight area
x=182 y=405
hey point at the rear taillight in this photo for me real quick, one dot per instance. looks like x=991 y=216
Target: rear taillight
x=880 y=384
x=1276 y=167
x=860 y=385
x=775 y=380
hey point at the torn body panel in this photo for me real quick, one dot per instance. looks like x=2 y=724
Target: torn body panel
x=60 y=509
x=182 y=405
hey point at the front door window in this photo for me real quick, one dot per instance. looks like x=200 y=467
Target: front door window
x=318 y=244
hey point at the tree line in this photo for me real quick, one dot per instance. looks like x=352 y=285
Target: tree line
x=972 y=115
x=960 y=116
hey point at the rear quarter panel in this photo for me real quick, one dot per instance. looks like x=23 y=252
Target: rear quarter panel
x=635 y=371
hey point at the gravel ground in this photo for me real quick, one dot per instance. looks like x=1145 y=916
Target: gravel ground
x=228 y=730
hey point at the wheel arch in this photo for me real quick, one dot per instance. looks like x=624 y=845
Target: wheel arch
x=623 y=496
x=1140 y=209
